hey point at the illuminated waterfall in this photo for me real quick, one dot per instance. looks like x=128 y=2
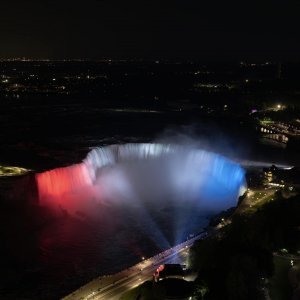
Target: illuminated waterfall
x=62 y=186
x=111 y=155
x=193 y=173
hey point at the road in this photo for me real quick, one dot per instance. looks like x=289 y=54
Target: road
x=255 y=198
x=112 y=287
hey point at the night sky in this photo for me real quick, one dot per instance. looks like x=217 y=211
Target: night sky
x=165 y=29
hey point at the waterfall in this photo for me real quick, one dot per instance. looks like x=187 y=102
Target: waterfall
x=185 y=171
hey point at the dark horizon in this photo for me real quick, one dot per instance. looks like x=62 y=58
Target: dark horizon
x=171 y=30
x=200 y=61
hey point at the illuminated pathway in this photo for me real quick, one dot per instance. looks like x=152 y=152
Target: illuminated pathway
x=113 y=286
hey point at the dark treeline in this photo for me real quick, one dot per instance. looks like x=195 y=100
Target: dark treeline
x=234 y=263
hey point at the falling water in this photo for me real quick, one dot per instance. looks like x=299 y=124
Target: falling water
x=141 y=171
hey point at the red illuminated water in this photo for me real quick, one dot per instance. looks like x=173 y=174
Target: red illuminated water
x=68 y=188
